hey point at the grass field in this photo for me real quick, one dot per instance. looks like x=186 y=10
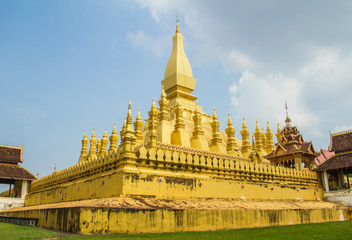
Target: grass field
x=331 y=231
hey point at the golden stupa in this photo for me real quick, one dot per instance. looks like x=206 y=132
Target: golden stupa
x=176 y=172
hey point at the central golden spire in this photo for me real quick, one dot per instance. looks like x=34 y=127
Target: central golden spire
x=178 y=81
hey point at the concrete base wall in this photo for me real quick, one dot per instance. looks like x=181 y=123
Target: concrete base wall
x=105 y=220
x=341 y=196
x=9 y=203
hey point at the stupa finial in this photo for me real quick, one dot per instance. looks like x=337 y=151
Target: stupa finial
x=244 y=125
x=257 y=129
x=229 y=122
x=287 y=120
x=114 y=131
x=267 y=127
x=214 y=114
x=177 y=25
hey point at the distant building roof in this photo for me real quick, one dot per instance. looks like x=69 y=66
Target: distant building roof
x=336 y=162
x=324 y=155
x=14 y=172
x=341 y=144
x=341 y=141
x=10 y=154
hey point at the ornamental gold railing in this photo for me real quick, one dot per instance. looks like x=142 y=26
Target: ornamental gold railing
x=180 y=159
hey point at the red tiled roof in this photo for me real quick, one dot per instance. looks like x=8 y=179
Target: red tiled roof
x=15 y=172
x=341 y=141
x=324 y=155
x=336 y=162
x=9 y=154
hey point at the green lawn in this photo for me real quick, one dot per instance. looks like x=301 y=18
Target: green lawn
x=335 y=230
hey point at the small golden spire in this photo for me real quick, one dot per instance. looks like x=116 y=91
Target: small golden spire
x=269 y=140
x=152 y=125
x=93 y=150
x=267 y=127
x=138 y=128
x=114 y=131
x=129 y=108
x=231 y=146
x=129 y=121
x=229 y=122
x=163 y=95
x=104 y=143
x=214 y=114
x=257 y=129
x=153 y=105
x=244 y=125
x=55 y=168
x=113 y=139
x=105 y=135
x=84 y=151
x=246 y=145
x=139 y=115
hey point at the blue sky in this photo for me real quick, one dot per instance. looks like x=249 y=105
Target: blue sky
x=67 y=66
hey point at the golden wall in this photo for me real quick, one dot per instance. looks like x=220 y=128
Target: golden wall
x=174 y=172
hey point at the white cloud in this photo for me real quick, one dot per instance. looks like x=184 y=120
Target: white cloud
x=158 y=7
x=298 y=56
x=341 y=128
x=157 y=45
x=236 y=61
x=262 y=98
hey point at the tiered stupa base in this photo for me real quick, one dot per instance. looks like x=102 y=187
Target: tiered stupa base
x=148 y=215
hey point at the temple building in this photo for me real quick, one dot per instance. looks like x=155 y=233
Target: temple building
x=291 y=150
x=178 y=172
x=336 y=169
x=13 y=175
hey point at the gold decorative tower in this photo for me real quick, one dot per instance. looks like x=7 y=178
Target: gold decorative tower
x=123 y=129
x=269 y=147
x=258 y=141
x=104 y=143
x=128 y=137
x=198 y=140
x=92 y=149
x=231 y=147
x=178 y=81
x=216 y=141
x=113 y=139
x=246 y=145
x=151 y=135
x=84 y=151
x=138 y=128
x=180 y=136
x=163 y=126
x=278 y=133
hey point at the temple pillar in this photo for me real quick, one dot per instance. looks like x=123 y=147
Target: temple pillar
x=326 y=181
x=24 y=188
